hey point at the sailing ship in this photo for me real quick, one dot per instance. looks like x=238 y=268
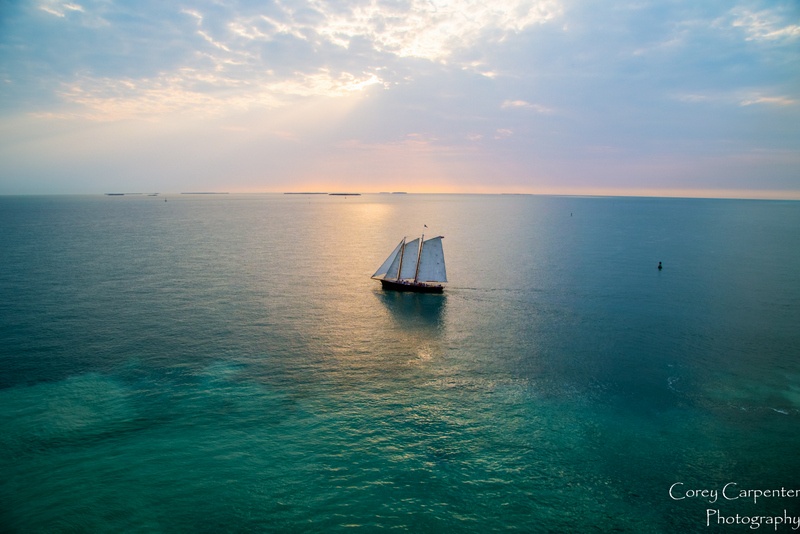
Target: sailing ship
x=416 y=265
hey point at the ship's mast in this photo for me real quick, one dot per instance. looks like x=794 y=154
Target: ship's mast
x=419 y=257
x=402 y=251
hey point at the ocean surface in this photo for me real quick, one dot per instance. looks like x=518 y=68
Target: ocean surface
x=224 y=363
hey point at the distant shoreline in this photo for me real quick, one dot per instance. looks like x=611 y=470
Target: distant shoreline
x=776 y=198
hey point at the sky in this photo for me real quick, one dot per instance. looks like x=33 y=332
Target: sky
x=669 y=97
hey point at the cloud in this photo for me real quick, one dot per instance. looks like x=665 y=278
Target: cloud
x=200 y=93
x=430 y=29
x=522 y=104
x=766 y=25
x=737 y=98
x=60 y=9
x=253 y=54
x=770 y=100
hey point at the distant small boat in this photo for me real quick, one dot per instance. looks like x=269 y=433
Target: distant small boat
x=416 y=265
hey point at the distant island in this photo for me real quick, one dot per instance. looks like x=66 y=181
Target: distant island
x=204 y=193
x=320 y=193
x=131 y=194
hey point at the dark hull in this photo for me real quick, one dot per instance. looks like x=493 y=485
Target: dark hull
x=415 y=288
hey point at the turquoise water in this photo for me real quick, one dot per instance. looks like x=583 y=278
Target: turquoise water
x=224 y=363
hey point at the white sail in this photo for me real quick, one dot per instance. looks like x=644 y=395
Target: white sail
x=431 y=262
x=384 y=269
x=394 y=268
x=409 y=267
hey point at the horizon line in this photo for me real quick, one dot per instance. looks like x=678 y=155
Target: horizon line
x=721 y=194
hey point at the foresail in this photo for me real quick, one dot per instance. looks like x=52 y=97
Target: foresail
x=431 y=264
x=384 y=269
x=409 y=268
x=392 y=273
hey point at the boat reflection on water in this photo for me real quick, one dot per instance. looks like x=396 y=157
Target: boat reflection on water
x=415 y=310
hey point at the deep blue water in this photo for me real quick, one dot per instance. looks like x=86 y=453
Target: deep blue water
x=225 y=363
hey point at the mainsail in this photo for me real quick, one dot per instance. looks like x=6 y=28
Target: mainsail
x=408 y=268
x=431 y=262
